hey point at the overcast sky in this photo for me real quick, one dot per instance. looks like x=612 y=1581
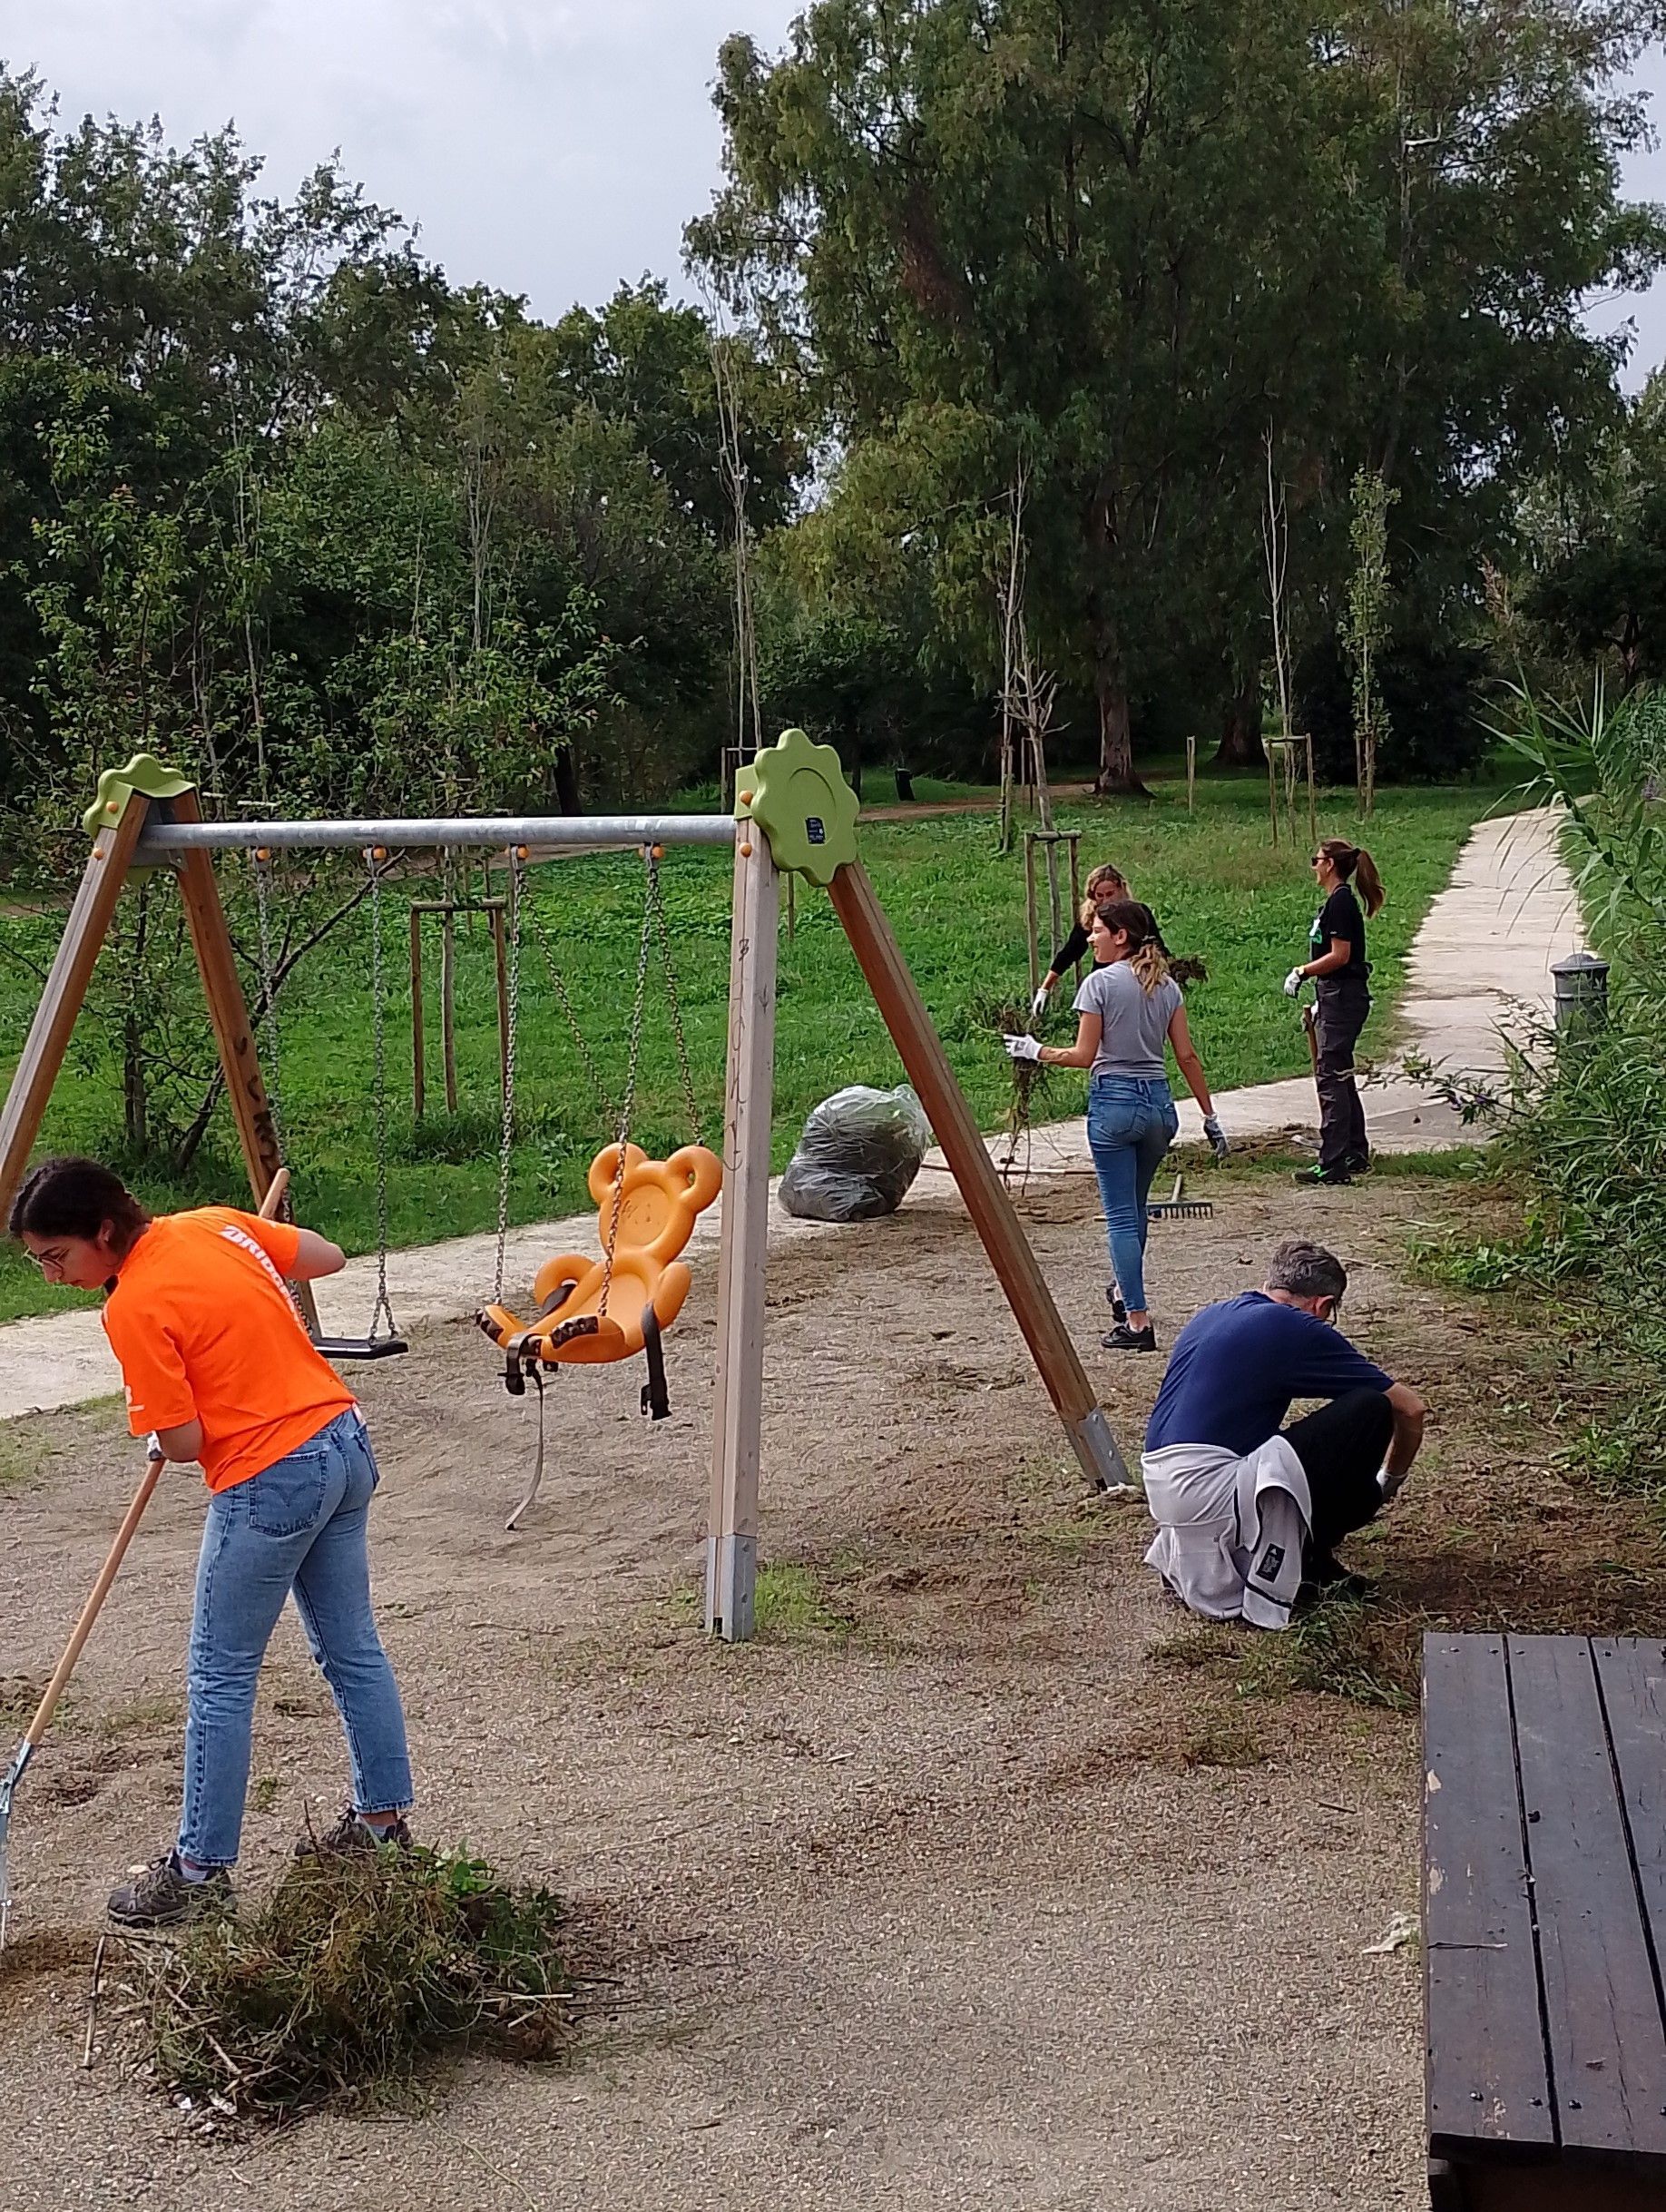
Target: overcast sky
x=553 y=148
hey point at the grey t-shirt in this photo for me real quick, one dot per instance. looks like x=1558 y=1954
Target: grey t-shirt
x=1136 y=1021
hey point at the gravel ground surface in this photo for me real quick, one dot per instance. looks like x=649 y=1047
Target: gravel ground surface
x=957 y=1890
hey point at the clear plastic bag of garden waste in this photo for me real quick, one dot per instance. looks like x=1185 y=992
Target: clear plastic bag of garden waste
x=859 y=1152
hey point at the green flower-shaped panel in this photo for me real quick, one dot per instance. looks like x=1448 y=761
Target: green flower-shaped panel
x=144 y=772
x=796 y=793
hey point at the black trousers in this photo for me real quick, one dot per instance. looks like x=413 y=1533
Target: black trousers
x=1341 y=1016
x=1340 y=1449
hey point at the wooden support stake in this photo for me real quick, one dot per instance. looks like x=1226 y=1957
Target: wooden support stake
x=737 y=1419
x=898 y=997
x=500 y=954
x=89 y=915
x=448 y=1004
x=418 y=1074
x=1312 y=798
x=1191 y=774
x=1030 y=917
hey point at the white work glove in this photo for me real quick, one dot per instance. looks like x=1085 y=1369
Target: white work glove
x=1293 y=983
x=1038 y=1004
x=1022 y=1047
x=1217 y=1136
x=153 y=1447
x=1390 y=1485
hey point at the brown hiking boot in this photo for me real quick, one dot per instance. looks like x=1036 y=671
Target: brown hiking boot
x=159 y=1895
x=352 y=1832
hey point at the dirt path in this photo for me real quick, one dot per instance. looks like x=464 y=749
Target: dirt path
x=984 y=1878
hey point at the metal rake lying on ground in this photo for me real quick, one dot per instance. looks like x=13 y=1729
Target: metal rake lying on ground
x=1177 y=1207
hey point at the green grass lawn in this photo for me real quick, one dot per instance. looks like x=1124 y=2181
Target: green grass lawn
x=957 y=907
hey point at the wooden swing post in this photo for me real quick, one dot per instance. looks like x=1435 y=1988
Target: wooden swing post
x=88 y=924
x=920 y=1049
x=737 y=1415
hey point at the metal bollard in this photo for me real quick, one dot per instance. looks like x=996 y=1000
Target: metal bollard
x=1582 y=990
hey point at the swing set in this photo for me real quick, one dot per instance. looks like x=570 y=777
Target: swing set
x=794 y=815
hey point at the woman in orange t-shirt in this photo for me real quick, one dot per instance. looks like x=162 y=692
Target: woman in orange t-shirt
x=219 y=1370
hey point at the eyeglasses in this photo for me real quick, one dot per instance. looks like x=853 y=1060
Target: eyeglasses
x=46 y=1259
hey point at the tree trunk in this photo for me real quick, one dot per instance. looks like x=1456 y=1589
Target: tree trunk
x=135 y=1104
x=1240 y=728
x=1116 y=768
x=567 y=798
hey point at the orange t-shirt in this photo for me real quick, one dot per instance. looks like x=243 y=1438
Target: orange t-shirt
x=204 y=1330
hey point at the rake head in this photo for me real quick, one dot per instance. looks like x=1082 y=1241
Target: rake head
x=1180 y=1209
x=8 y=1788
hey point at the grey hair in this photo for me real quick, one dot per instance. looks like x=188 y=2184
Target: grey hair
x=1306 y=1270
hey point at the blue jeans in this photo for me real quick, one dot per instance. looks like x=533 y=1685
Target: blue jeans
x=1130 y=1125
x=296 y=1525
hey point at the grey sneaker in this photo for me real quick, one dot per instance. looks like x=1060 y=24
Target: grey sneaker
x=352 y=1833
x=159 y=1896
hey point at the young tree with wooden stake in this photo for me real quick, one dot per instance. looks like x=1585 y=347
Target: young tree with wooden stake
x=1364 y=624
x=1276 y=548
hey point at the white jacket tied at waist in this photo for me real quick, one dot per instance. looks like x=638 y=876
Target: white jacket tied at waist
x=1230 y=1531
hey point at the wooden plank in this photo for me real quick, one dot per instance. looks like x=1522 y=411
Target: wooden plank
x=84 y=931
x=1631 y=1682
x=737 y=1419
x=898 y=997
x=1488 y=2078
x=1602 y=2018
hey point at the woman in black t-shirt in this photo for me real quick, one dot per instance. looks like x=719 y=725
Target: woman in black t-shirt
x=1339 y=970
x=1106 y=882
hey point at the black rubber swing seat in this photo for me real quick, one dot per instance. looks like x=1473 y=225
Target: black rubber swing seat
x=360 y=1347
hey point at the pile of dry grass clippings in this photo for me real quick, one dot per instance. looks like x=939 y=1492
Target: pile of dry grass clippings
x=357 y=1970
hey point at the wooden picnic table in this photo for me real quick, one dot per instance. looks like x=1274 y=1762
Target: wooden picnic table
x=1544 y=1922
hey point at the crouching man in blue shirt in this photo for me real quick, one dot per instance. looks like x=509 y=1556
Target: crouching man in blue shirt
x=1246 y=1510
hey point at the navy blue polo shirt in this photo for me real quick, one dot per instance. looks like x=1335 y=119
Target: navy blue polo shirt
x=1236 y=1366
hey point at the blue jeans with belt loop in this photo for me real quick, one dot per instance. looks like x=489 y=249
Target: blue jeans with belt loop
x=1131 y=1124
x=299 y=1526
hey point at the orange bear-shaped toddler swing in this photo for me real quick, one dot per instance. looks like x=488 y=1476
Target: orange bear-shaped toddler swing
x=589 y=1309
x=593 y=1310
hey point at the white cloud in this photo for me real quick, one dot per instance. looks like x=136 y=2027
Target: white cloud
x=553 y=148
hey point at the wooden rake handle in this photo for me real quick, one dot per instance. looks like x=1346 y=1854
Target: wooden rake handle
x=124 y=1537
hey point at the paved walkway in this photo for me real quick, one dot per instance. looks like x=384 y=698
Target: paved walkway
x=1479 y=966
x=1482 y=957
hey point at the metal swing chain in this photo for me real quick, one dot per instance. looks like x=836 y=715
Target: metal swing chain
x=629 y=1100
x=261 y=863
x=657 y=903
x=378 y=1016
x=563 y=999
x=506 y=1134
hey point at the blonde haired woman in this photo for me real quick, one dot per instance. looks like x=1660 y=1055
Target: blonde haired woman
x=1106 y=882
x=1127 y=1009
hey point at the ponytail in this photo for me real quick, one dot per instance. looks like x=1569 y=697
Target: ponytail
x=1146 y=955
x=1356 y=861
x=1370 y=883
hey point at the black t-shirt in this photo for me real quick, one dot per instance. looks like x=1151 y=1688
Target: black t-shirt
x=1341 y=916
x=1073 y=948
x=1078 y=945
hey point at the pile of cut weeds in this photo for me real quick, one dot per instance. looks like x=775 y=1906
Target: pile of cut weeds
x=352 y=1977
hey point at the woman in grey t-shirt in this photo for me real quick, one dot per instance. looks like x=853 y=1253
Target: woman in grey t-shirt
x=1129 y=1008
